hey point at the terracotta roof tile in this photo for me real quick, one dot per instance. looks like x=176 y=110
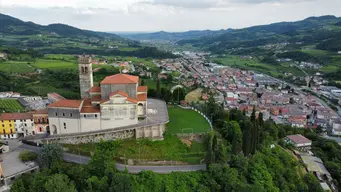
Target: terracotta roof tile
x=56 y=96
x=298 y=139
x=142 y=97
x=88 y=108
x=131 y=100
x=66 y=104
x=142 y=89
x=96 y=98
x=16 y=116
x=124 y=94
x=120 y=79
x=95 y=89
x=43 y=111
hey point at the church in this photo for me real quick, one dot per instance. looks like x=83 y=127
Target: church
x=118 y=101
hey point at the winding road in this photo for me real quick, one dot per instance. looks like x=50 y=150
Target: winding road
x=121 y=167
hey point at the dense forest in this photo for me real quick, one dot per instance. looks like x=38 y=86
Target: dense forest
x=239 y=157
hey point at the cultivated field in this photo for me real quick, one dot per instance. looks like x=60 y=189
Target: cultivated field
x=10 y=106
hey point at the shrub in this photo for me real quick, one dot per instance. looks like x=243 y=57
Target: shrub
x=27 y=156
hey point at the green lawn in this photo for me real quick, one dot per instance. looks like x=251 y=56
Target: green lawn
x=186 y=121
x=16 y=67
x=10 y=106
x=171 y=148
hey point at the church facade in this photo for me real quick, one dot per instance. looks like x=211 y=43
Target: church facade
x=117 y=102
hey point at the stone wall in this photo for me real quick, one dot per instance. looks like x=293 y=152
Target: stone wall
x=150 y=131
x=95 y=138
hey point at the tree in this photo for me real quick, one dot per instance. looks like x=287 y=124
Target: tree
x=312 y=183
x=98 y=185
x=253 y=114
x=49 y=154
x=260 y=119
x=158 y=89
x=209 y=159
x=18 y=186
x=121 y=183
x=142 y=82
x=247 y=137
x=237 y=140
x=59 y=183
x=27 y=156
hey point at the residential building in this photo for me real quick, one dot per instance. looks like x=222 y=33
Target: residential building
x=14 y=125
x=41 y=122
x=299 y=141
x=12 y=168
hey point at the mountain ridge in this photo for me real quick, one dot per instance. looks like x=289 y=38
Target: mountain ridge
x=14 y=26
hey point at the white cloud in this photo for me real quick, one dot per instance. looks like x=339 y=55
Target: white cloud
x=168 y=15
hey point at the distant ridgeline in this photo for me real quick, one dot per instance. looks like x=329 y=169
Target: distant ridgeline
x=64 y=39
x=324 y=32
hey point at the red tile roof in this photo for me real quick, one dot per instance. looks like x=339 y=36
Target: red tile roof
x=66 y=104
x=43 y=111
x=131 y=100
x=142 y=97
x=96 y=98
x=124 y=94
x=88 y=108
x=16 y=116
x=142 y=89
x=56 y=96
x=120 y=79
x=298 y=139
x=95 y=89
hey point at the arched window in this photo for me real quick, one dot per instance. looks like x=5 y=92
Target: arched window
x=86 y=69
x=82 y=69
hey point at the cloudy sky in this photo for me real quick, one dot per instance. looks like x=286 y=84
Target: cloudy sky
x=167 y=15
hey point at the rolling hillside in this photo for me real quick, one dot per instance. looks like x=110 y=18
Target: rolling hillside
x=174 y=36
x=323 y=32
x=13 y=26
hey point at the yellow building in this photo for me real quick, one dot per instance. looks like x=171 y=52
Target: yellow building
x=7 y=128
x=13 y=123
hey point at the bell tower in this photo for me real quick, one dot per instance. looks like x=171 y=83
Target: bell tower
x=85 y=75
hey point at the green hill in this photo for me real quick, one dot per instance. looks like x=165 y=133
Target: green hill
x=14 y=26
x=316 y=31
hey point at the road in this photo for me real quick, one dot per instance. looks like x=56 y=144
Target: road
x=121 y=167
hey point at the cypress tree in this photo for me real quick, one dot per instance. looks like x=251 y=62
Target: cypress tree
x=253 y=114
x=158 y=90
x=247 y=126
x=142 y=82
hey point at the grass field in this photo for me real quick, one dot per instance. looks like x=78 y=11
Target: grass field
x=186 y=121
x=10 y=106
x=171 y=148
